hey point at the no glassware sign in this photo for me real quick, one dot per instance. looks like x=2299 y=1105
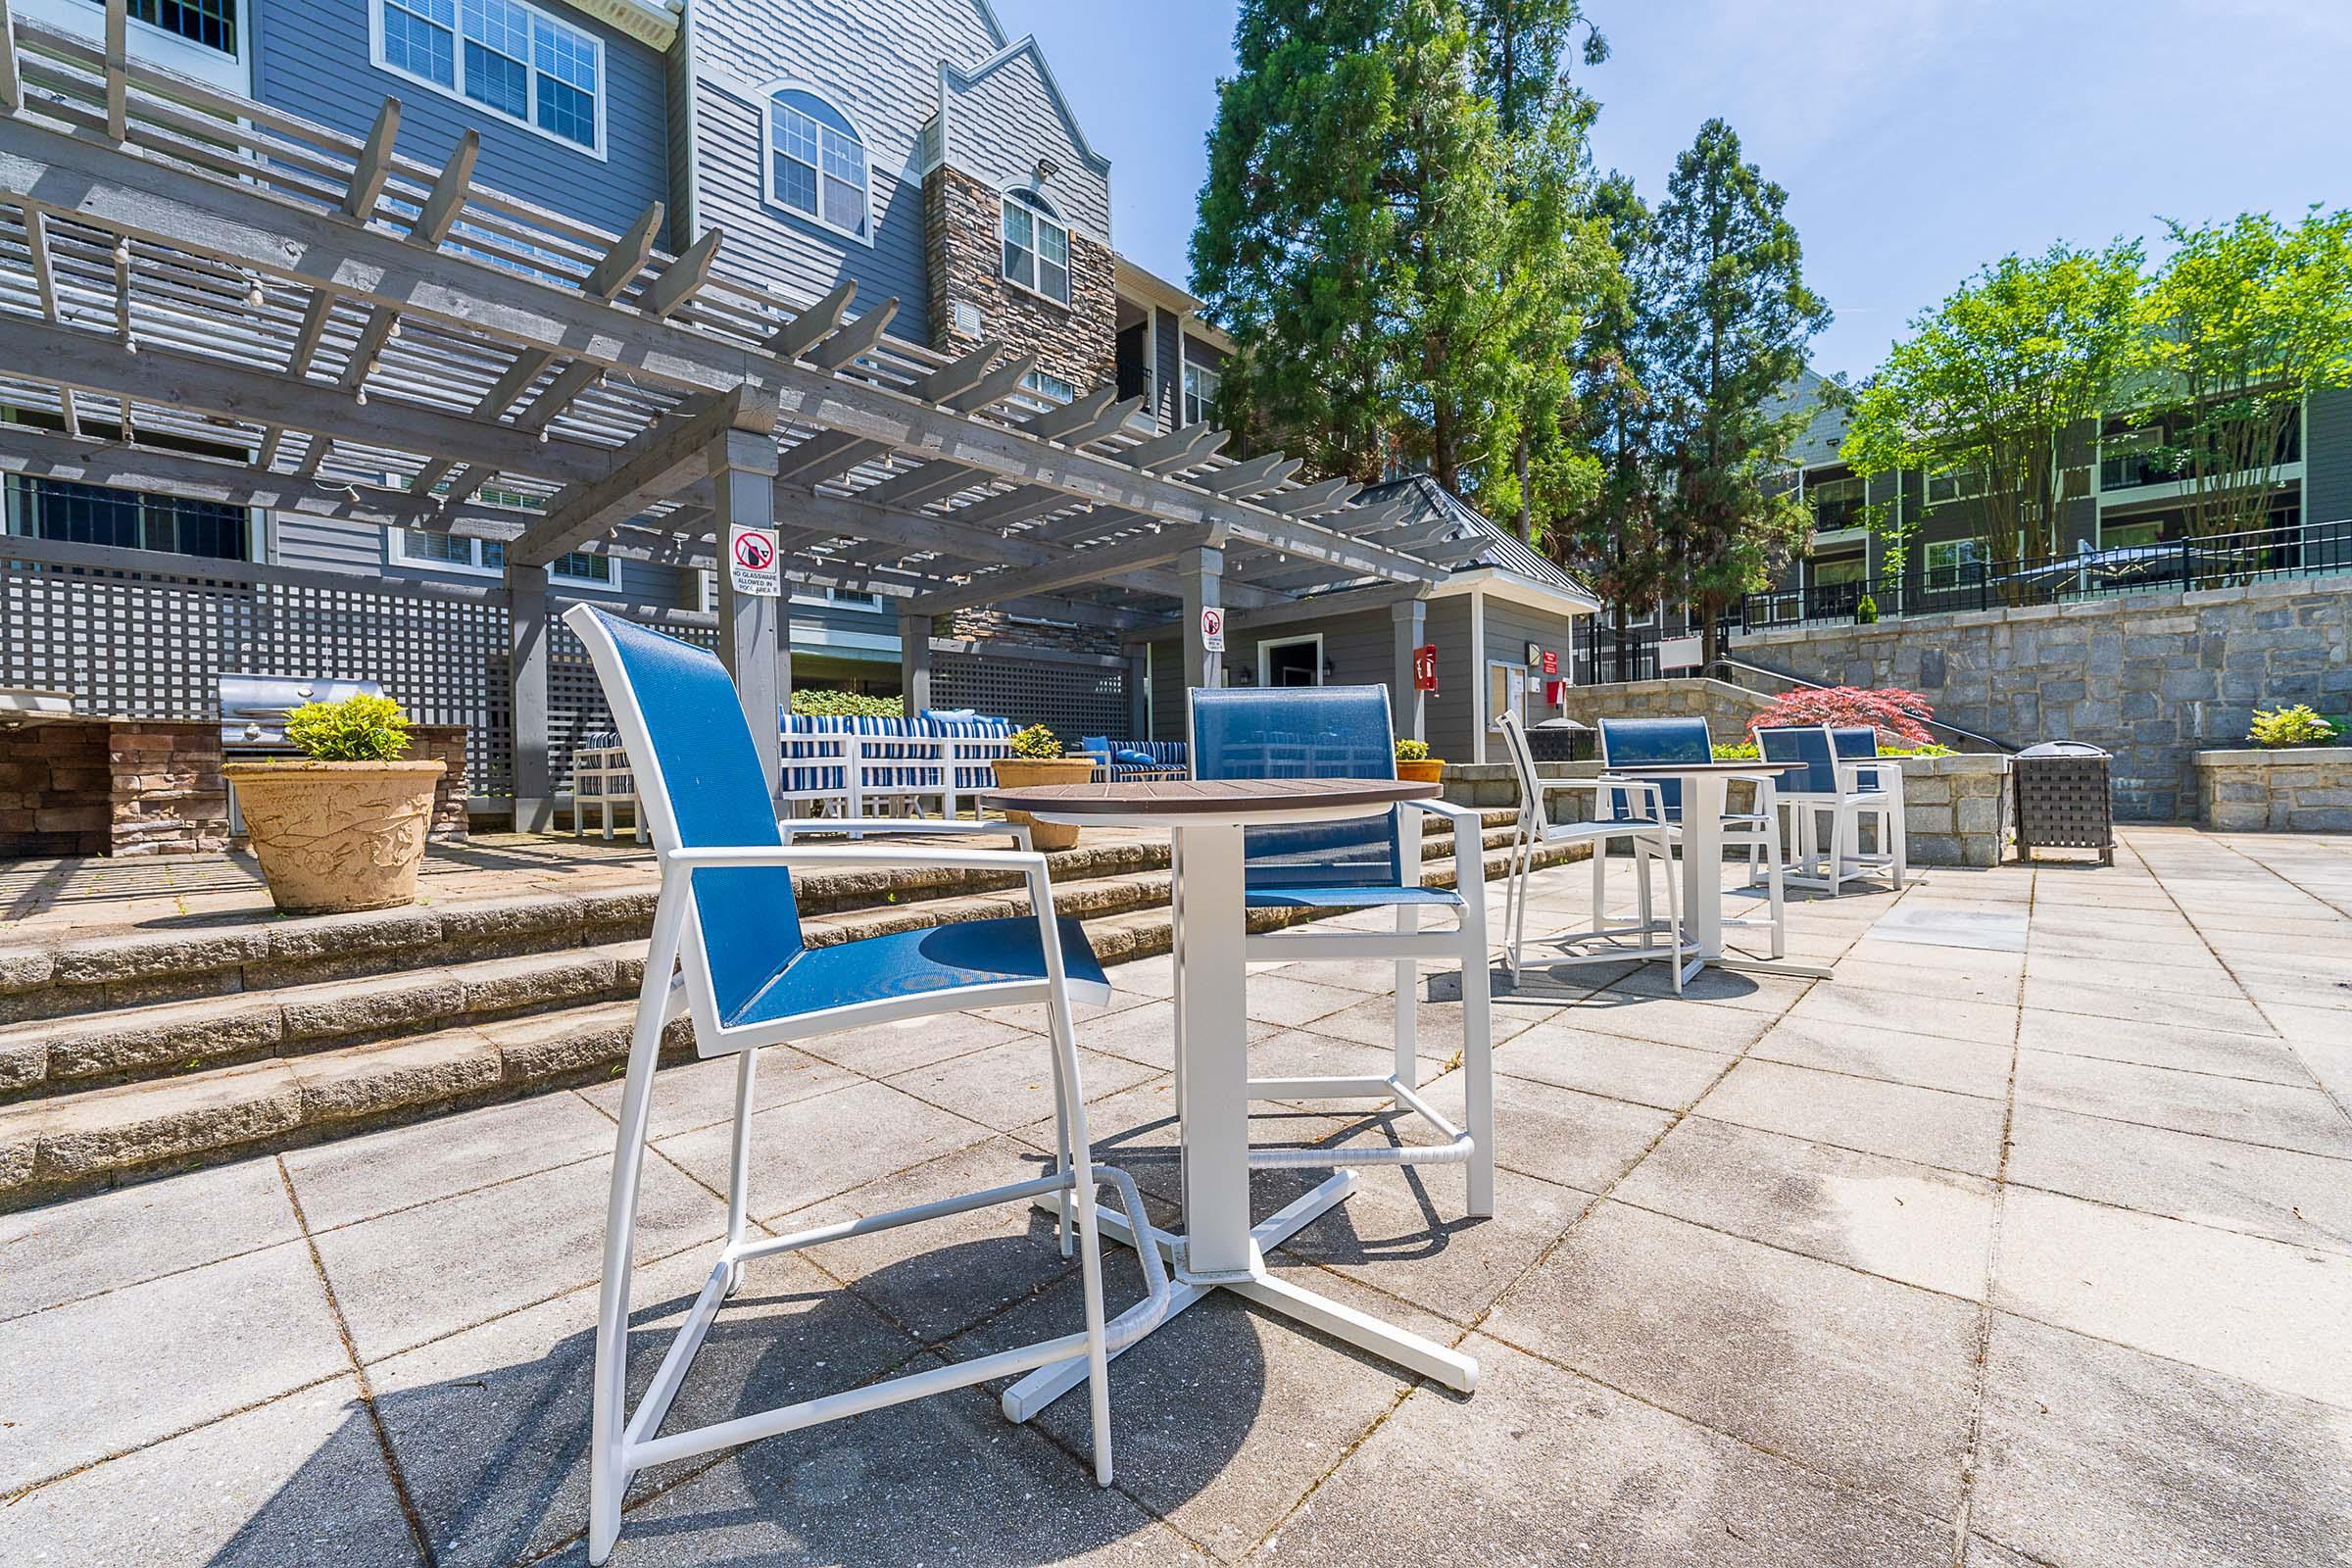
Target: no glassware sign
x=752 y=566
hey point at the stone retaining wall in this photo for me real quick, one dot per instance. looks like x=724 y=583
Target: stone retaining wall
x=2302 y=790
x=2151 y=678
x=1956 y=808
x=1726 y=708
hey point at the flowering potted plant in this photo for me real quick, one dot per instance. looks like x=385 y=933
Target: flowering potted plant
x=1037 y=759
x=1415 y=765
x=341 y=827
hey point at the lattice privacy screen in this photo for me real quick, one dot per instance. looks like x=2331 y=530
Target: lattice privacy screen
x=1071 y=700
x=153 y=644
x=575 y=703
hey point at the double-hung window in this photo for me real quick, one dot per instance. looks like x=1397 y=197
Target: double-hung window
x=1037 y=246
x=1954 y=563
x=1199 y=392
x=513 y=60
x=817 y=163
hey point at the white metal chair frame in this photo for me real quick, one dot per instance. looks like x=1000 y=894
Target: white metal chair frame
x=1843 y=860
x=601 y=780
x=1647 y=835
x=1756 y=830
x=1464 y=943
x=678 y=982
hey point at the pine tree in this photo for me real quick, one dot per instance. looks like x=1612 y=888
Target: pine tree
x=1733 y=319
x=1398 y=276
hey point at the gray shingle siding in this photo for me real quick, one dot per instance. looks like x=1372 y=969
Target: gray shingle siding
x=312 y=58
x=999 y=128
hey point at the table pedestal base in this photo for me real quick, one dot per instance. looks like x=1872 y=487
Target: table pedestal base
x=1043 y=1387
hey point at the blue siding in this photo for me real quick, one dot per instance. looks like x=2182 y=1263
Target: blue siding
x=878 y=60
x=311 y=58
x=774 y=246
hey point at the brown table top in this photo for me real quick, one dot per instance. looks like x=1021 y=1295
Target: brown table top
x=1183 y=797
x=1676 y=769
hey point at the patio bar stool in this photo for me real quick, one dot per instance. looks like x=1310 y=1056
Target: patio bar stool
x=1836 y=781
x=1635 y=742
x=1368 y=864
x=727 y=950
x=1648 y=834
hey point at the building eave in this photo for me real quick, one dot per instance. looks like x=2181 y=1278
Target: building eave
x=653 y=23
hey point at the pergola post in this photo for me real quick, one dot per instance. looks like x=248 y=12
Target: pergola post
x=752 y=638
x=915 y=663
x=1408 y=702
x=527 y=678
x=1139 y=690
x=1203 y=576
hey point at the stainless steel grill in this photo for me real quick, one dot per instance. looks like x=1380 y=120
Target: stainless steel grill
x=254 y=707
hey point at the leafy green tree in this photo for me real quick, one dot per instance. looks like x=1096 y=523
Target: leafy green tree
x=1402 y=278
x=2244 y=322
x=1989 y=381
x=1555 y=263
x=1293 y=251
x=1612 y=535
x=1348 y=228
x=1730 y=322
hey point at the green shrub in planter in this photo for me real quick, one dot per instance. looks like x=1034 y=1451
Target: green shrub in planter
x=1036 y=744
x=358 y=729
x=1867 y=611
x=2291 y=726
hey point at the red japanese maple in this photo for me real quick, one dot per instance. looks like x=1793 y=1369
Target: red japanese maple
x=1894 y=712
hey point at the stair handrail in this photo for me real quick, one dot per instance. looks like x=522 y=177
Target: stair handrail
x=1724 y=662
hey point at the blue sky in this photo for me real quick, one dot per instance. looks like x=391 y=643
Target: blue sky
x=1917 y=138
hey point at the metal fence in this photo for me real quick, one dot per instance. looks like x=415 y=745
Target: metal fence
x=1604 y=654
x=2219 y=561
x=147 y=635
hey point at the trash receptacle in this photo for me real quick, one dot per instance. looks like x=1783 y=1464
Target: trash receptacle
x=2064 y=799
x=1559 y=740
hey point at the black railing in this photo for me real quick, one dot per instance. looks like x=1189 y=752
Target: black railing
x=2219 y=561
x=1604 y=654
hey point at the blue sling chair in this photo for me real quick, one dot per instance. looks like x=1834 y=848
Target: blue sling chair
x=1634 y=742
x=1368 y=863
x=1843 y=778
x=727 y=950
x=1644 y=827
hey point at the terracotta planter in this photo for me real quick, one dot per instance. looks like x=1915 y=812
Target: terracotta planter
x=334 y=837
x=1024 y=772
x=1432 y=770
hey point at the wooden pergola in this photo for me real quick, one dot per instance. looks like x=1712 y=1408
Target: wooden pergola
x=210 y=298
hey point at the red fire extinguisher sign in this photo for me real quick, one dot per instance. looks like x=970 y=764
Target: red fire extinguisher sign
x=1425 y=667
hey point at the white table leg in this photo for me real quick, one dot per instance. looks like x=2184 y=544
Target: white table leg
x=1215 y=1051
x=1702 y=867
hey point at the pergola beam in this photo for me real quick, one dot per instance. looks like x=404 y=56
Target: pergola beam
x=805 y=330
x=450 y=191
x=656 y=465
x=242 y=225
x=374 y=165
x=684 y=276
x=90 y=363
x=1073 y=567
x=627 y=258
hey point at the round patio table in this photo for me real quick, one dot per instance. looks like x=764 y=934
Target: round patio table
x=1704 y=786
x=1219 y=1249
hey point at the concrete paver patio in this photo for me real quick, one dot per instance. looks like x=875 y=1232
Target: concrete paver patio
x=2026 y=1239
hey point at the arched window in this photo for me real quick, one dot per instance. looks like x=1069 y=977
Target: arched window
x=817 y=163
x=1037 y=245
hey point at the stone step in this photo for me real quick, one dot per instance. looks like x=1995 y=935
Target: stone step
x=142 y=968
x=90 y=1134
